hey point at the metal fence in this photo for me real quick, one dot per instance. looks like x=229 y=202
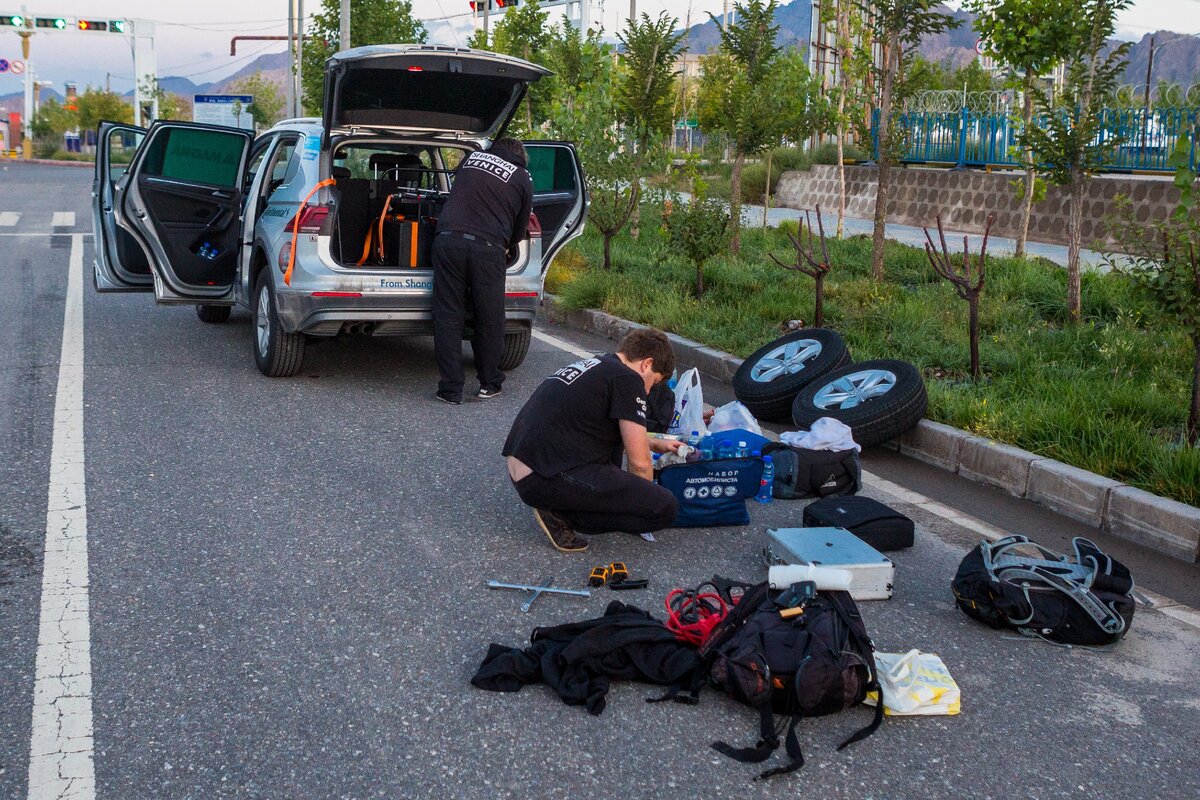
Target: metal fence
x=1143 y=141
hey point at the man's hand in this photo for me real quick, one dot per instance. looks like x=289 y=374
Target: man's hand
x=664 y=445
x=637 y=449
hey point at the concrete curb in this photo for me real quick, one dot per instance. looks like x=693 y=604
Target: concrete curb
x=1163 y=525
x=49 y=162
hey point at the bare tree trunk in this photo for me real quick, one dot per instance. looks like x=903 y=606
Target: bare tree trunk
x=607 y=251
x=735 y=201
x=1030 y=171
x=882 y=183
x=843 y=50
x=1074 y=242
x=819 y=304
x=767 y=199
x=973 y=333
x=1193 y=422
x=699 y=280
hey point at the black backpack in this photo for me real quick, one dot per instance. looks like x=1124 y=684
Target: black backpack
x=1087 y=600
x=802 y=473
x=813 y=663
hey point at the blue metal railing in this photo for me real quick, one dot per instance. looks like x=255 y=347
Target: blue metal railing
x=1144 y=140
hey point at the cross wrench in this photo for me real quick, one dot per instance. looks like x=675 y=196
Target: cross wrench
x=537 y=590
x=546 y=584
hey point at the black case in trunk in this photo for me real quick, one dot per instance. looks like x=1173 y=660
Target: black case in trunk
x=878 y=525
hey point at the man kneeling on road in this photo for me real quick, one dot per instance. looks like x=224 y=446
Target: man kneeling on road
x=564 y=449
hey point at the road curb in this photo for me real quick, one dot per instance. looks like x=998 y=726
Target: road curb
x=48 y=162
x=1163 y=525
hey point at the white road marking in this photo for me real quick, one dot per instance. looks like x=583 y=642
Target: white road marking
x=63 y=219
x=9 y=218
x=60 y=753
x=561 y=344
x=1178 y=611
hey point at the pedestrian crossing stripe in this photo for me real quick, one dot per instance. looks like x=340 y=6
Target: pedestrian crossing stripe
x=9 y=218
x=63 y=219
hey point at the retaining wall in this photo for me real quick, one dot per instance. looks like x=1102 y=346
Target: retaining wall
x=965 y=198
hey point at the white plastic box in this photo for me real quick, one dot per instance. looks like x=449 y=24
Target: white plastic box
x=872 y=572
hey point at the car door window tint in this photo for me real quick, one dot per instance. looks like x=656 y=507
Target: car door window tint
x=256 y=161
x=122 y=144
x=195 y=156
x=552 y=169
x=285 y=165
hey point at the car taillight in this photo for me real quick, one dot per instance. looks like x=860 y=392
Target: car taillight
x=311 y=218
x=535 y=225
x=520 y=294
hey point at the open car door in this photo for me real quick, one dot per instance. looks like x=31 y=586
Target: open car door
x=181 y=200
x=560 y=197
x=120 y=264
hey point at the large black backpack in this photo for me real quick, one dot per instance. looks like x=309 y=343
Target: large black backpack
x=807 y=665
x=1085 y=600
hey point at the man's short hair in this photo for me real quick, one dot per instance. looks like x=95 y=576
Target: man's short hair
x=649 y=343
x=510 y=150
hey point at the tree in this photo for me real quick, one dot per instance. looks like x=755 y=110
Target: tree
x=1072 y=140
x=793 y=108
x=1030 y=36
x=853 y=40
x=735 y=85
x=1164 y=261
x=522 y=32
x=96 y=105
x=268 y=103
x=698 y=228
x=53 y=120
x=808 y=262
x=898 y=25
x=967 y=279
x=371 y=22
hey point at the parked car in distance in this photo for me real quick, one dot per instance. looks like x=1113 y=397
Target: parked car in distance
x=322 y=226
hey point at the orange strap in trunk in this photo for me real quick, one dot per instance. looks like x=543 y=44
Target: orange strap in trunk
x=287 y=275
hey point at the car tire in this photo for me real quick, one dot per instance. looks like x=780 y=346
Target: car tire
x=516 y=346
x=768 y=381
x=213 y=315
x=277 y=354
x=886 y=398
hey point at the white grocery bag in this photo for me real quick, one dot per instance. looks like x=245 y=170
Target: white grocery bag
x=915 y=683
x=734 y=416
x=689 y=405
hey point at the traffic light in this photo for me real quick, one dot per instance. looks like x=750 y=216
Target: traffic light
x=57 y=23
x=117 y=25
x=12 y=21
x=478 y=6
x=92 y=24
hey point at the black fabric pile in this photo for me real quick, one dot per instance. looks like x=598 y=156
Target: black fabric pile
x=579 y=659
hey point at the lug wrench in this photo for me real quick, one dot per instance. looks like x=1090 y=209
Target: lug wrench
x=545 y=588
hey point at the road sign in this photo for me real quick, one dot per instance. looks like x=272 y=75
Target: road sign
x=4 y=65
x=223 y=109
x=979 y=46
x=16 y=67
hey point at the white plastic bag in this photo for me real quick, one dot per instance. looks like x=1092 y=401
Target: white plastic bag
x=915 y=683
x=733 y=416
x=826 y=433
x=689 y=405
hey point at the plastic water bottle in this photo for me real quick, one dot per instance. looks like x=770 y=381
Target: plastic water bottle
x=767 y=486
x=654 y=457
x=706 y=448
x=694 y=440
x=725 y=449
x=673 y=380
x=743 y=450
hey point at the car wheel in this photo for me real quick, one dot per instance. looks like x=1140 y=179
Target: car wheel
x=277 y=354
x=768 y=381
x=878 y=400
x=516 y=346
x=213 y=314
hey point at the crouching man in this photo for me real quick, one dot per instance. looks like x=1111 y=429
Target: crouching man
x=564 y=449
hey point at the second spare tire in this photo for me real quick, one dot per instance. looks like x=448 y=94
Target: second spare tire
x=878 y=400
x=769 y=379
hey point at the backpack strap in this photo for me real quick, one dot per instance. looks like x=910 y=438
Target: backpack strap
x=1104 y=616
x=768 y=740
x=1108 y=574
x=792 y=748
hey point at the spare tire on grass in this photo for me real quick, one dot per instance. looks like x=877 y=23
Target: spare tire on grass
x=767 y=382
x=878 y=400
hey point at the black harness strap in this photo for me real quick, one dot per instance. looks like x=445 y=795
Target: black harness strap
x=768 y=741
x=792 y=747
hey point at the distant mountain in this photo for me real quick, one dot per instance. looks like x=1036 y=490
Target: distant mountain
x=794 y=20
x=1176 y=58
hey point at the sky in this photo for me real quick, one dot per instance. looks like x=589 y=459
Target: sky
x=192 y=39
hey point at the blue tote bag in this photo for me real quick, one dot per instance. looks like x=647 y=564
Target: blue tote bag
x=712 y=493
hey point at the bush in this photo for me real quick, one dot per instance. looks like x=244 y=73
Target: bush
x=827 y=153
x=783 y=159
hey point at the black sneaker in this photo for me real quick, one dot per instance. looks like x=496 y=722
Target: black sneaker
x=564 y=539
x=487 y=393
x=446 y=397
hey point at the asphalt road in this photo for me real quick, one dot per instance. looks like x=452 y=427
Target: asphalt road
x=287 y=589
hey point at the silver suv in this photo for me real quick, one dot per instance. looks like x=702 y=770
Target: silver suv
x=322 y=227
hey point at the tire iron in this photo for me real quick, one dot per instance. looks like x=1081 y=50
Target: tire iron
x=538 y=590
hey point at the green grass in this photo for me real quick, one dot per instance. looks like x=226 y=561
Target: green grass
x=1108 y=395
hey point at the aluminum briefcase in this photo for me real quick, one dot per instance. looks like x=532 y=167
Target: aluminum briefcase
x=873 y=572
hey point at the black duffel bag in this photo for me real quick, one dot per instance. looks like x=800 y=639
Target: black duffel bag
x=1085 y=600
x=802 y=473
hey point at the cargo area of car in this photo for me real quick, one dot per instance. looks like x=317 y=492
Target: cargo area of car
x=388 y=201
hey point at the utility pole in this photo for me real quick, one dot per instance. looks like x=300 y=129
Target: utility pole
x=344 y=26
x=632 y=11
x=27 y=120
x=299 y=58
x=487 y=5
x=291 y=78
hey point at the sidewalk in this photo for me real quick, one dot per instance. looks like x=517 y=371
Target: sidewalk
x=908 y=234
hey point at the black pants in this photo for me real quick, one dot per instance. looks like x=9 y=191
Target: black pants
x=465 y=271
x=598 y=498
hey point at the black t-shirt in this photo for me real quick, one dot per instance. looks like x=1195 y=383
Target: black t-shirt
x=491 y=197
x=574 y=417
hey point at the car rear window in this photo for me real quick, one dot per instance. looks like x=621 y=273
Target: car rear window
x=195 y=156
x=552 y=168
